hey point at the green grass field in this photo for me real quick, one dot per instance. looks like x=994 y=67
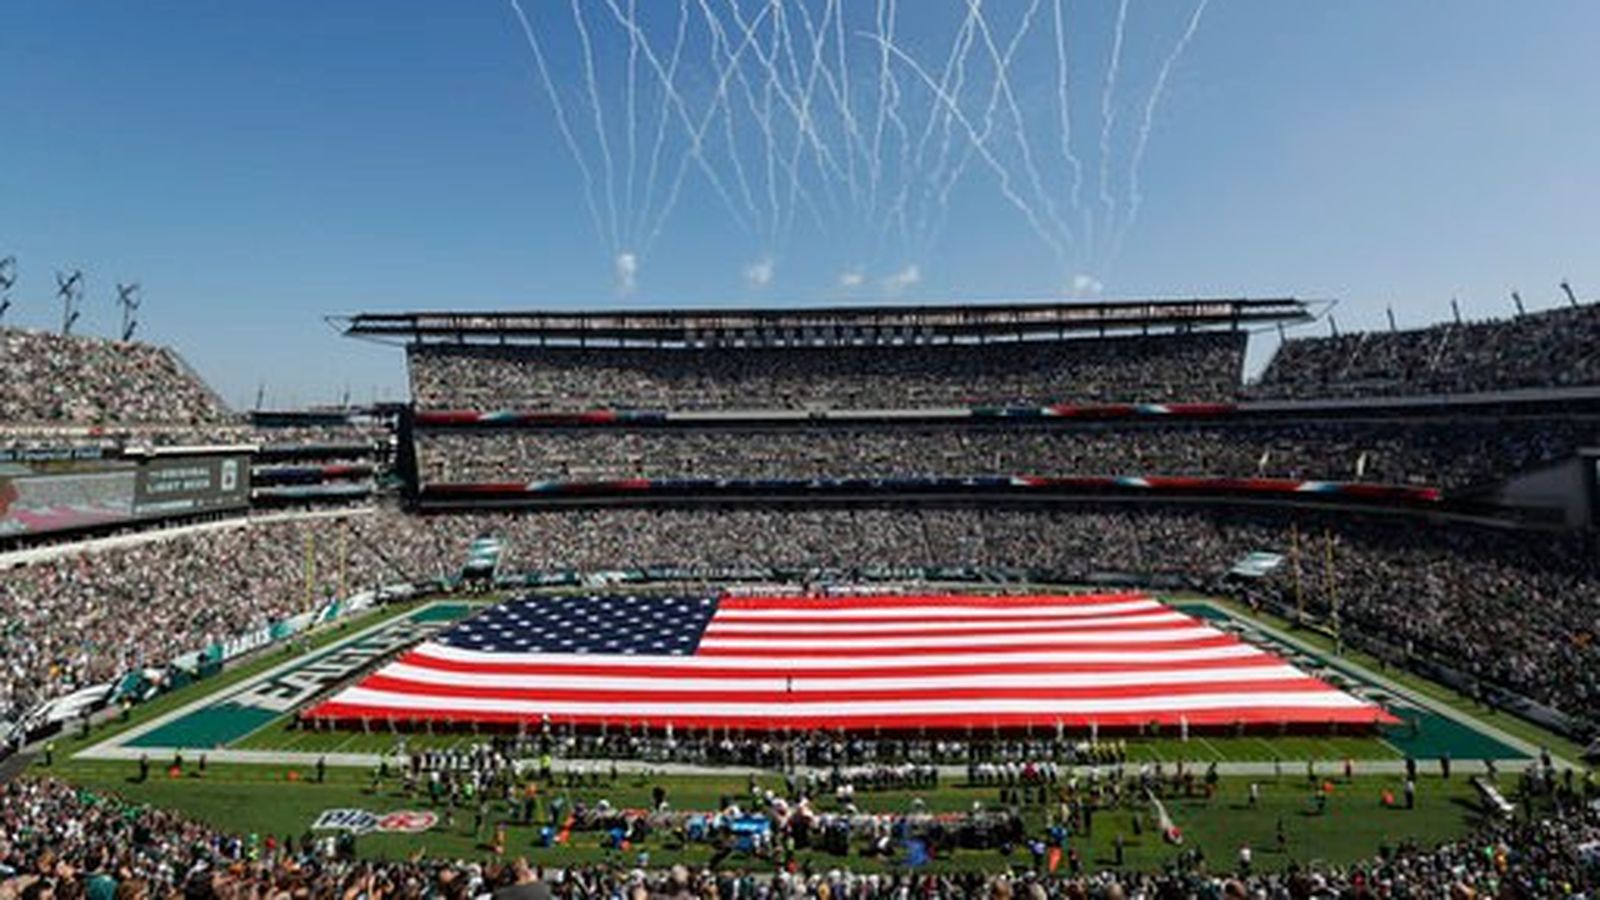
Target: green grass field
x=264 y=800
x=279 y=736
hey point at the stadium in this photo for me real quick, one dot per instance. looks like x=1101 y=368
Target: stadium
x=799 y=450
x=901 y=592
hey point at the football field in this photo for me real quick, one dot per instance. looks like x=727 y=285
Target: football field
x=260 y=765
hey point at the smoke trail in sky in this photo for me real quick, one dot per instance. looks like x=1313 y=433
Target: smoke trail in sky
x=1135 y=197
x=1108 y=114
x=759 y=274
x=599 y=119
x=633 y=111
x=626 y=266
x=561 y=120
x=792 y=113
x=697 y=135
x=1006 y=189
x=905 y=278
x=662 y=118
x=1064 y=105
x=1002 y=67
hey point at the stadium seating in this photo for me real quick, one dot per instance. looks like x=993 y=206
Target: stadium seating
x=1155 y=369
x=1449 y=454
x=85 y=380
x=66 y=613
x=1547 y=349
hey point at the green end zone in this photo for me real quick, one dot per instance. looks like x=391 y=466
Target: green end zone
x=224 y=718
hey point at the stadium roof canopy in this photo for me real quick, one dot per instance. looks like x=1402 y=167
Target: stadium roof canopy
x=825 y=325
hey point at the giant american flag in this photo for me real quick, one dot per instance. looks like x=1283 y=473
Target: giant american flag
x=893 y=662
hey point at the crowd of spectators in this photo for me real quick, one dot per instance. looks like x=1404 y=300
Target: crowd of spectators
x=65 y=618
x=1168 y=368
x=94 y=381
x=1546 y=349
x=348 y=439
x=1446 y=453
x=57 y=841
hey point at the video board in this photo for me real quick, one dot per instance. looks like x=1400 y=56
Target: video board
x=52 y=491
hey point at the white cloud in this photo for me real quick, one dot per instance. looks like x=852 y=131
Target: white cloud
x=902 y=279
x=1084 y=285
x=627 y=267
x=759 y=273
x=852 y=278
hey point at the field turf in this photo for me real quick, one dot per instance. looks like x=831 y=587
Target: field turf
x=268 y=800
x=1198 y=748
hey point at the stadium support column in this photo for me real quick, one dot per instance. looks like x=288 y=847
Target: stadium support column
x=1333 y=591
x=311 y=568
x=344 y=541
x=405 y=463
x=1294 y=559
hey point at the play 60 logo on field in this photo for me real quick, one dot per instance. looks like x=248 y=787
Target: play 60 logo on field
x=359 y=821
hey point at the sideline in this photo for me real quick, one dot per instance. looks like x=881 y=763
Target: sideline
x=1411 y=695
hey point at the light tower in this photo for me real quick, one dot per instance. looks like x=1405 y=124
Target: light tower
x=130 y=299
x=69 y=290
x=8 y=277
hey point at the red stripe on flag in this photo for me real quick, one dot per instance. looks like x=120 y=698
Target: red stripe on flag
x=1284 y=715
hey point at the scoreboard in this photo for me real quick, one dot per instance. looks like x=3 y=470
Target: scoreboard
x=64 y=489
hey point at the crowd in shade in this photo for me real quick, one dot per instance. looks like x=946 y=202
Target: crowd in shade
x=57 y=841
x=64 y=616
x=1547 y=349
x=94 y=381
x=1442 y=453
x=1169 y=368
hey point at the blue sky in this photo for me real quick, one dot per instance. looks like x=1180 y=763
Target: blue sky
x=258 y=165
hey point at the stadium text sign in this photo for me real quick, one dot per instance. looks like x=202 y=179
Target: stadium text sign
x=359 y=821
